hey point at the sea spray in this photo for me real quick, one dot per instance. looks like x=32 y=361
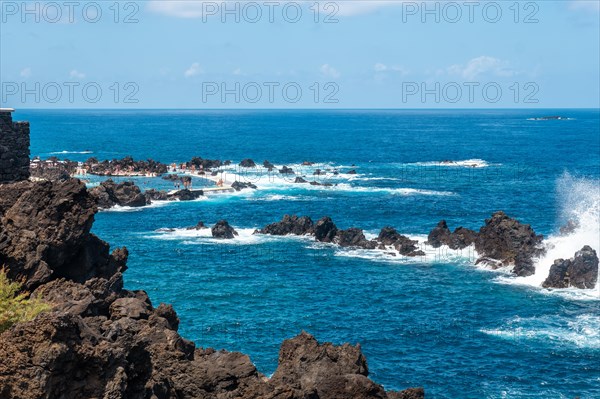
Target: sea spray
x=580 y=203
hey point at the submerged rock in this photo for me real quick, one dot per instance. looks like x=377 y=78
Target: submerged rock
x=581 y=271
x=223 y=230
x=199 y=226
x=510 y=242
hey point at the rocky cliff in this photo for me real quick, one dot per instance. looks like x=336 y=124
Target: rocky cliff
x=103 y=341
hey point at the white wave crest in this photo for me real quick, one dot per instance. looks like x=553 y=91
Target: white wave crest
x=580 y=203
x=582 y=331
x=467 y=163
x=71 y=152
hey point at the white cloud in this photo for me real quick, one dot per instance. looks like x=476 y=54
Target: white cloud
x=351 y=8
x=585 y=5
x=75 y=74
x=198 y=8
x=181 y=8
x=483 y=65
x=379 y=67
x=193 y=70
x=25 y=73
x=329 y=71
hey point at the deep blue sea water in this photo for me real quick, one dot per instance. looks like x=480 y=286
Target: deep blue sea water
x=437 y=321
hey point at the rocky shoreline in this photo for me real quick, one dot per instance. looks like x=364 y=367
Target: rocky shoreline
x=103 y=341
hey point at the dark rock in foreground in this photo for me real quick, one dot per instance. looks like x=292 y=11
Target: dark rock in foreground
x=223 y=230
x=581 y=271
x=109 y=194
x=102 y=341
x=508 y=241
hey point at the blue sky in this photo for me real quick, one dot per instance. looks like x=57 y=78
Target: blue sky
x=369 y=54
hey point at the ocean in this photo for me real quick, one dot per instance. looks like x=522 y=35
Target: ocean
x=439 y=321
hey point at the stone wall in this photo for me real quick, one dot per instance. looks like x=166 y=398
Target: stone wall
x=14 y=149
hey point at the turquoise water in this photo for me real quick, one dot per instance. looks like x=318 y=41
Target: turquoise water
x=437 y=321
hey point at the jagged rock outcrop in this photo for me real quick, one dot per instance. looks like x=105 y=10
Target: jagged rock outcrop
x=109 y=194
x=289 y=225
x=102 y=341
x=239 y=186
x=247 y=163
x=186 y=195
x=199 y=226
x=45 y=234
x=581 y=271
x=286 y=171
x=506 y=241
x=268 y=165
x=155 y=195
x=223 y=230
x=325 y=230
x=125 y=166
x=354 y=237
x=441 y=235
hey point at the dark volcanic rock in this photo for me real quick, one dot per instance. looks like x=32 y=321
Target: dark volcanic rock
x=581 y=271
x=186 y=195
x=300 y=180
x=388 y=236
x=441 y=235
x=268 y=165
x=223 y=230
x=354 y=237
x=286 y=171
x=155 y=195
x=199 y=226
x=45 y=234
x=351 y=172
x=109 y=194
x=325 y=230
x=239 y=186
x=408 y=247
x=290 y=225
x=247 y=163
x=509 y=242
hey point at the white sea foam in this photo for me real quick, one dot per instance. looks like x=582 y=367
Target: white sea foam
x=72 y=152
x=204 y=236
x=467 y=163
x=119 y=208
x=580 y=202
x=582 y=331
